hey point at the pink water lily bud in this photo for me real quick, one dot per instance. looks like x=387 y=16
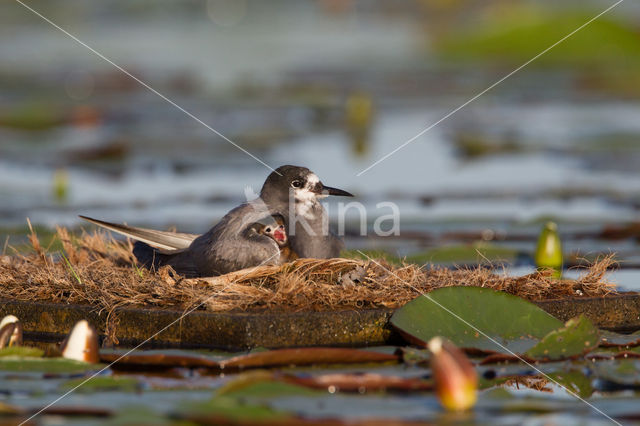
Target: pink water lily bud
x=82 y=343
x=455 y=377
x=10 y=332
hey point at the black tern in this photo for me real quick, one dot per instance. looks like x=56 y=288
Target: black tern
x=250 y=234
x=293 y=192
x=262 y=241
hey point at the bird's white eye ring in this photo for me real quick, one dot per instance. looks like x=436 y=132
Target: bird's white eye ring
x=296 y=184
x=267 y=229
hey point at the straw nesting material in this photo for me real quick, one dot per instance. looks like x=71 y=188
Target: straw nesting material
x=94 y=269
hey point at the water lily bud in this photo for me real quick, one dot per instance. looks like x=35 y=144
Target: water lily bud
x=359 y=114
x=455 y=377
x=60 y=185
x=549 y=251
x=8 y=320
x=10 y=332
x=82 y=343
x=359 y=109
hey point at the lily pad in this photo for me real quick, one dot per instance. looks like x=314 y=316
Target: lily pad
x=479 y=252
x=625 y=373
x=159 y=358
x=46 y=365
x=613 y=339
x=575 y=381
x=259 y=359
x=139 y=415
x=270 y=389
x=21 y=351
x=577 y=337
x=362 y=382
x=101 y=384
x=226 y=409
x=260 y=383
x=475 y=318
x=306 y=356
x=521 y=33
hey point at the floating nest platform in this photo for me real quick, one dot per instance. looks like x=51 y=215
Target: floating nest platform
x=344 y=302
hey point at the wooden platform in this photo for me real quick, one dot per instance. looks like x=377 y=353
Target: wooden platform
x=48 y=322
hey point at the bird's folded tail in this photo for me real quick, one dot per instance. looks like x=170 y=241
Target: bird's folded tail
x=163 y=240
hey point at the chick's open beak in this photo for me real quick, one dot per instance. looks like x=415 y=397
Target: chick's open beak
x=280 y=235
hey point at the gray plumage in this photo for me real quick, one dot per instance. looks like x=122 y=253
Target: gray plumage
x=233 y=243
x=230 y=245
x=163 y=240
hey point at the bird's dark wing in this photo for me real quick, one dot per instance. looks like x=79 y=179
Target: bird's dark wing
x=229 y=256
x=152 y=258
x=158 y=239
x=226 y=247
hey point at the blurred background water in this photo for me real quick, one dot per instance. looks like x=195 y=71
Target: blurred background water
x=332 y=85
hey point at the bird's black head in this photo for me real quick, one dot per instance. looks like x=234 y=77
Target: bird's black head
x=303 y=183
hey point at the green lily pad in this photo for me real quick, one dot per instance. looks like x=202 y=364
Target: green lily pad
x=479 y=252
x=614 y=351
x=101 y=384
x=139 y=415
x=247 y=401
x=498 y=394
x=34 y=116
x=226 y=408
x=577 y=337
x=575 y=381
x=271 y=389
x=260 y=383
x=451 y=312
x=46 y=365
x=520 y=33
x=21 y=351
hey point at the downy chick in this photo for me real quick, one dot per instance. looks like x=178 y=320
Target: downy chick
x=273 y=227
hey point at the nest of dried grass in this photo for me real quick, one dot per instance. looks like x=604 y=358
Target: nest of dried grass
x=94 y=269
